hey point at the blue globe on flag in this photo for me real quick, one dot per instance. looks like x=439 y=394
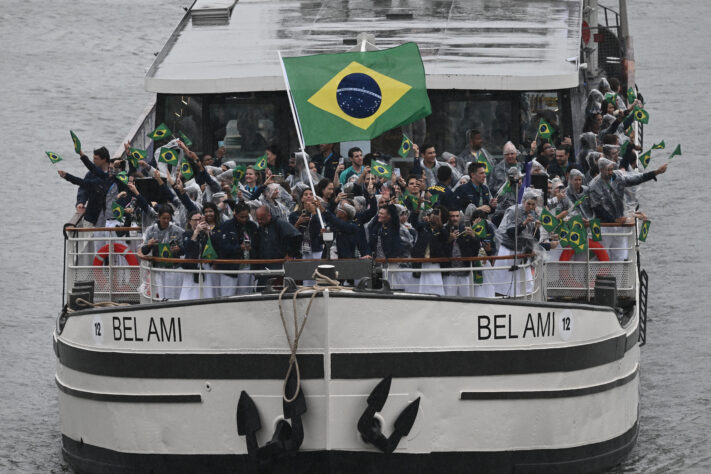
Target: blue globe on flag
x=359 y=95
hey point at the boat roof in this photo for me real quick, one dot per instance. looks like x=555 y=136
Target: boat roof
x=224 y=46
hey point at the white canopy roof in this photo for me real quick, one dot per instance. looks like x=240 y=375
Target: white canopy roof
x=465 y=44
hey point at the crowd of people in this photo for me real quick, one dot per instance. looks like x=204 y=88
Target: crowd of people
x=428 y=209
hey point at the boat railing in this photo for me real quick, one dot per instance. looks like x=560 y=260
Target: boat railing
x=570 y=276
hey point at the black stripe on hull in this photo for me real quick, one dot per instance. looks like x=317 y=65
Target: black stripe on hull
x=593 y=457
x=130 y=398
x=542 y=394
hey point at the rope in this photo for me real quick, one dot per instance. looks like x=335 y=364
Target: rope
x=323 y=283
x=88 y=304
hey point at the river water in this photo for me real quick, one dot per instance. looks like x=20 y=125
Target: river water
x=80 y=64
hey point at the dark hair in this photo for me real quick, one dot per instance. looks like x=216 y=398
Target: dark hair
x=425 y=146
x=102 y=153
x=565 y=148
x=614 y=84
x=321 y=185
x=473 y=133
x=444 y=172
x=412 y=176
x=353 y=150
x=213 y=206
x=165 y=208
x=240 y=207
x=610 y=139
x=190 y=216
x=474 y=167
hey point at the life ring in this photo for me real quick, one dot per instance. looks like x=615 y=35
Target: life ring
x=596 y=248
x=118 y=249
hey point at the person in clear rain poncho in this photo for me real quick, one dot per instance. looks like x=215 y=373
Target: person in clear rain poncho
x=607 y=201
x=517 y=233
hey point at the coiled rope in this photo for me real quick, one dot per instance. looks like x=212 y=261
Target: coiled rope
x=88 y=304
x=323 y=283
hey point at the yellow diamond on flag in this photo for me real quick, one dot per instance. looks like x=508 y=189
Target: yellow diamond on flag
x=359 y=95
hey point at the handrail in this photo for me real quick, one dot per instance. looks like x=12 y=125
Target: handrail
x=379 y=260
x=99 y=229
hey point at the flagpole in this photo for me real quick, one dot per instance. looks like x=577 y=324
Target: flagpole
x=300 y=135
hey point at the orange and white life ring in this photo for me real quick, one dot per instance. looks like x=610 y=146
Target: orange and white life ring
x=118 y=249
x=595 y=247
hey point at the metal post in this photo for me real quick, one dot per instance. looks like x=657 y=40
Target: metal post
x=111 y=268
x=587 y=272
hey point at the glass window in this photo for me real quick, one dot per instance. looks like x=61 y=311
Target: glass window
x=183 y=113
x=537 y=105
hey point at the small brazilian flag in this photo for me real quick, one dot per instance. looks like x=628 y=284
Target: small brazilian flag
x=645 y=157
x=631 y=95
x=77 y=143
x=480 y=230
x=548 y=220
x=53 y=157
x=234 y=190
x=641 y=115
x=481 y=158
x=135 y=155
x=122 y=176
x=357 y=95
x=580 y=201
x=431 y=203
x=208 y=252
x=659 y=146
x=545 y=130
x=238 y=172
x=676 y=152
x=261 y=163
x=164 y=251
x=186 y=170
x=623 y=148
x=578 y=240
x=184 y=138
x=405 y=146
x=117 y=210
x=159 y=133
x=576 y=223
x=596 y=230
x=381 y=170
x=169 y=156
x=563 y=233
x=478 y=276
x=611 y=98
x=644 y=231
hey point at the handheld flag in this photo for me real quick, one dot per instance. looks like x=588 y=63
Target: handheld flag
x=548 y=220
x=595 y=230
x=381 y=170
x=658 y=146
x=184 y=138
x=164 y=251
x=545 y=130
x=645 y=157
x=238 y=172
x=53 y=157
x=186 y=171
x=611 y=98
x=77 y=143
x=576 y=223
x=578 y=239
x=623 y=148
x=357 y=95
x=169 y=156
x=644 y=231
x=563 y=233
x=641 y=115
x=117 y=210
x=478 y=276
x=580 y=201
x=135 y=155
x=485 y=161
x=631 y=95
x=122 y=176
x=208 y=252
x=159 y=133
x=405 y=146
x=261 y=163
x=480 y=230
x=676 y=152
x=431 y=203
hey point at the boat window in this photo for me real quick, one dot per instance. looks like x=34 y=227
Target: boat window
x=183 y=113
x=537 y=105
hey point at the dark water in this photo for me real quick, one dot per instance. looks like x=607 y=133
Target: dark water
x=80 y=64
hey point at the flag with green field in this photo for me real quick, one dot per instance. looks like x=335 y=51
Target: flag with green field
x=117 y=210
x=381 y=170
x=596 y=230
x=623 y=148
x=659 y=146
x=135 y=155
x=75 y=140
x=208 y=252
x=261 y=163
x=579 y=202
x=577 y=235
x=545 y=129
x=169 y=156
x=238 y=173
x=644 y=158
x=357 y=95
x=563 y=232
x=186 y=171
x=641 y=115
x=478 y=275
x=53 y=157
x=481 y=158
x=405 y=146
x=122 y=176
x=184 y=138
x=479 y=229
x=631 y=95
x=548 y=220
x=676 y=152
x=162 y=131
x=644 y=231
x=576 y=223
x=164 y=251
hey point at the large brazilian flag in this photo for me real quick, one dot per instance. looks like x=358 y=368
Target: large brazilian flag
x=357 y=95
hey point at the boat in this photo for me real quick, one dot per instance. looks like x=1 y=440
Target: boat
x=367 y=377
